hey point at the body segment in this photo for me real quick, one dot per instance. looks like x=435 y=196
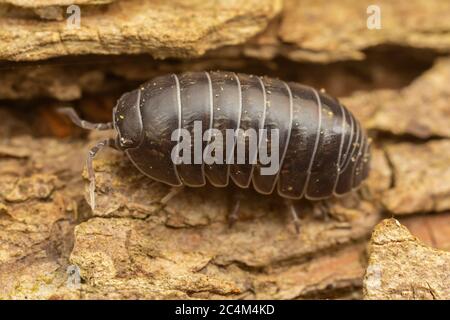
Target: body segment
x=323 y=150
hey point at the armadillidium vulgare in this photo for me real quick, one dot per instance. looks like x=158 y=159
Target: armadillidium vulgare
x=323 y=149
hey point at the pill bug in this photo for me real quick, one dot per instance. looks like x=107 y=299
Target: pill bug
x=323 y=149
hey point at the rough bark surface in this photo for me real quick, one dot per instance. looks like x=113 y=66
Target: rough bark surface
x=402 y=267
x=134 y=242
x=159 y=28
x=422 y=177
x=50 y=3
x=421 y=109
x=131 y=247
x=302 y=33
x=342 y=32
x=53 y=247
x=433 y=230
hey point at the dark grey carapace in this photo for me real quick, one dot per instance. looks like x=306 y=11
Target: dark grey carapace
x=323 y=149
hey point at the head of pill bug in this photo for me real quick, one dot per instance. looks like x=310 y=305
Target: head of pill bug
x=127 y=120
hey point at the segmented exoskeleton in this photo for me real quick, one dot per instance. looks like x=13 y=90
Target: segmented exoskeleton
x=323 y=149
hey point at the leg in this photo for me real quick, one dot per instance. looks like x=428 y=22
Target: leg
x=172 y=193
x=321 y=210
x=295 y=218
x=70 y=112
x=365 y=192
x=233 y=214
x=90 y=167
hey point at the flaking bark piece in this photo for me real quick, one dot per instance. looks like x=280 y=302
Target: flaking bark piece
x=342 y=33
x=160 y=28
x=421 y=177
x=402 y=267
x=421 y=109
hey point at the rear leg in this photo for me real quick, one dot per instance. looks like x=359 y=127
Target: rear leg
x=295 y=216
x=171 y=194
x=366 y=193
x=233 y=214
x=321 y=210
